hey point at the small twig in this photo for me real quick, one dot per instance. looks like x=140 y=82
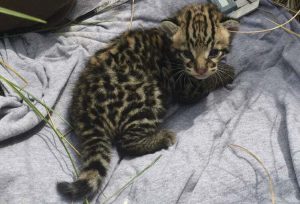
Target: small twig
x=262 y=164
x=267 y=30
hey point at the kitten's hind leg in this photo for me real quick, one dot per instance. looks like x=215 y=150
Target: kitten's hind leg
x=139 y=141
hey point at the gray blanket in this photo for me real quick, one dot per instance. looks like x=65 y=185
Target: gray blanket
x=259 y=111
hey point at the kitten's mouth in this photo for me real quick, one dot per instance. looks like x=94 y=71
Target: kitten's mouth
x=200 y=77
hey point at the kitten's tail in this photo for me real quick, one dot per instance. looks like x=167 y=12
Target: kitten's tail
x=96 y=157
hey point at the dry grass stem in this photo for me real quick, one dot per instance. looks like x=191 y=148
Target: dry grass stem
x=50 y=122
x=286 y=29
x=118 y=192
x=267 y=30
x=132 y=14
x=61 y=136
x=72 y=146
x=7 y=66
x=271 y=188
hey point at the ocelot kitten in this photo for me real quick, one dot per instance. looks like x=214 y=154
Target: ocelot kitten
x=123 y=94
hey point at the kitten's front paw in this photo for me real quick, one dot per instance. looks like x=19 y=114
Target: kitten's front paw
x=169 y=137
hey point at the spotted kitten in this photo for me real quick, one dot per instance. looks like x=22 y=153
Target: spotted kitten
x=122 y=95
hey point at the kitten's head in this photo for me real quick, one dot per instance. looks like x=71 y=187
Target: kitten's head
x=201 y=35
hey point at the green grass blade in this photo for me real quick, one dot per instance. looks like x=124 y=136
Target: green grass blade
x=24 y=98
x=61 y=137
x=38 y=100
x=37 y=112
x=21 y=15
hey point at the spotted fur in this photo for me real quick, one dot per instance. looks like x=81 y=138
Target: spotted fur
x=122 y=95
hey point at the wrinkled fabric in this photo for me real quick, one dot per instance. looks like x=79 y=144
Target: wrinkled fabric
x=259 y=111
x=46 y=63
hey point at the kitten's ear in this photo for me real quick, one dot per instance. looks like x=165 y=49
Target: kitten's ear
x=230 y=23
x=170 y=26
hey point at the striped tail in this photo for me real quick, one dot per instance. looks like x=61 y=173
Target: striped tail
x=96 y=157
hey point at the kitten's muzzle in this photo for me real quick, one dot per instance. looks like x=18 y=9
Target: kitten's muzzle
x=203 y=73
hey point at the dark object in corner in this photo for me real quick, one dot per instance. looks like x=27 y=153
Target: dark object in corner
x=53 y=11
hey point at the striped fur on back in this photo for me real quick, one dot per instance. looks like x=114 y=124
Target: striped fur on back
x=122 y=95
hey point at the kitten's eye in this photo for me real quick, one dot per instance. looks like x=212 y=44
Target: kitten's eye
x=188 y=54
x=213 y=53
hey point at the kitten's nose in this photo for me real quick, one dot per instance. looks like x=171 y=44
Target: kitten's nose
x=201 y=70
